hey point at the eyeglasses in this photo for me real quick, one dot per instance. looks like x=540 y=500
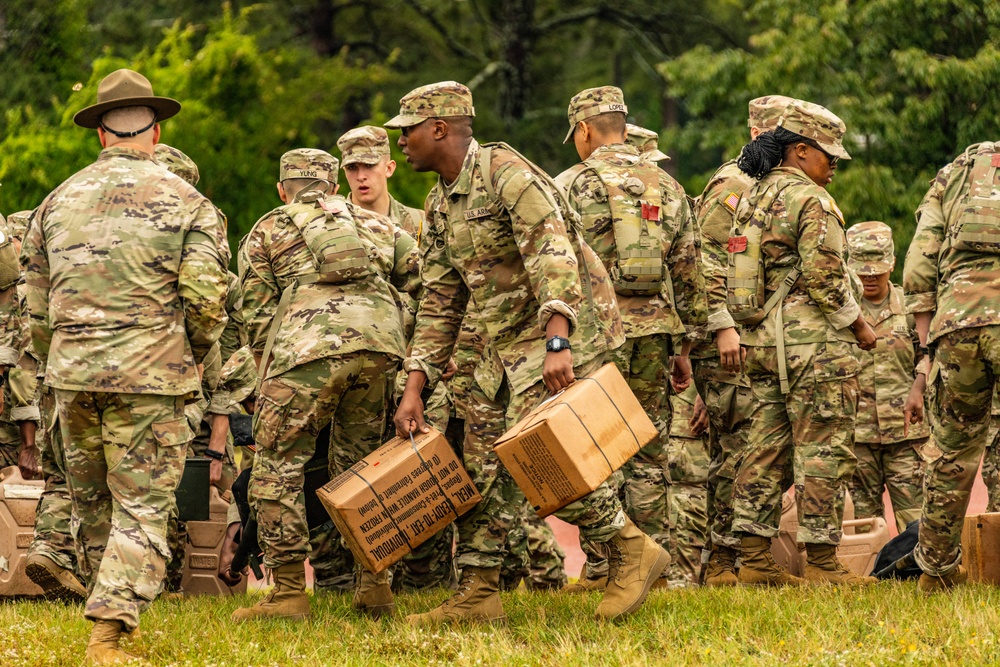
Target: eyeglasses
x=832 y=159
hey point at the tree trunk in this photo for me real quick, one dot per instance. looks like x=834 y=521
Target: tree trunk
x=517 y=39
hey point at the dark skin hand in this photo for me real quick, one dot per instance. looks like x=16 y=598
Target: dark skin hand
x=217 y=443
x=557 y=370
x=226 y=557
x=864 y=333
x=731 y=354
x=28 y=457
x=699 y=419
x=913 y=409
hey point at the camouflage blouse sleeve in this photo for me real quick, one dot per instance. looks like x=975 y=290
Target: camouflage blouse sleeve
x=35 y=262
x=821 y=248
x=234 y=336
x=543 y=241
x=202 y=281
x=715 y=222
x=23 y=377
x=684 y=263
x=920 y=271
x=261 y=292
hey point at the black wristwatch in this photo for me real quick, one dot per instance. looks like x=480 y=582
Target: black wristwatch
x=557 y=344
x=212 y=454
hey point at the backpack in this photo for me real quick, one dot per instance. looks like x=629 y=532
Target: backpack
x=895 y=560
x=977 y=227
x=633 y=196
x=331 y=234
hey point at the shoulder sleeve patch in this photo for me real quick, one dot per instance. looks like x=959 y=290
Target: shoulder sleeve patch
x=830 y=206
x=731 y=201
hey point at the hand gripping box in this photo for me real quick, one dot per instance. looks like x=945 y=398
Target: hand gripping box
x=575 y=440
x=398 y=497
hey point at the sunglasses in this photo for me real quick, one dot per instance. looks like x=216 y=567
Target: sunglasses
x=833 y=159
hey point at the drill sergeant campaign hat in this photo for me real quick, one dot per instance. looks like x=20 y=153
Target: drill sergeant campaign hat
x=645 y=141
x=125 y=88
x=870 y=248
x=765 y=112
x=592 y=102
x=436 y=100
x=308 y=163
x=817 y=123
x=177 y=163
x=367 y=145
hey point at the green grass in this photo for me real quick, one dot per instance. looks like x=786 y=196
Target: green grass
x=888 y=624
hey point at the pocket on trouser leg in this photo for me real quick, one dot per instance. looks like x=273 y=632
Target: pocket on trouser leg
x=821 y=487
x=172 y=437
x=271 y=413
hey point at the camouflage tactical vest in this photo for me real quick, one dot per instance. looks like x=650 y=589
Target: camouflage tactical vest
x=331 y=235
x=977 y=224
x=633 y=196
x=10 y=268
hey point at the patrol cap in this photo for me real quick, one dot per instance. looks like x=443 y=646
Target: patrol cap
x=817 y=123
x=765 y=112
x=592 y=102
x=367 y=145
x=870 y=248
x=308 y=163
x=645 y=141
x=436 y=100
x=177 y=163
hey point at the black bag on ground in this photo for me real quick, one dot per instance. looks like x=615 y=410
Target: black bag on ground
x=895 y=560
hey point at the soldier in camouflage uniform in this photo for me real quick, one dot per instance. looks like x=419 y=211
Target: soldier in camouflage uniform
x=890 y=431
x=687 y=473
x=612 y=183
x=10 y=335
x=991 y=457
x=495 y=240
x=801 y=358
x=951 y=289
x=320 y=279
x=718 y=367
x=645 y=141
x=124 y=305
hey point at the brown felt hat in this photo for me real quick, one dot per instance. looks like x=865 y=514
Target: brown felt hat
x=125 y=88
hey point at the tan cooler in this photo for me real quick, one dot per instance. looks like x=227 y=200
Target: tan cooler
x=204 y=549
x=18 y=500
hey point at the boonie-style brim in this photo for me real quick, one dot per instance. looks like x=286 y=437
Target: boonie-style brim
x=870 y=268
x=163 y=107
x=364 y=158
x=404 y=120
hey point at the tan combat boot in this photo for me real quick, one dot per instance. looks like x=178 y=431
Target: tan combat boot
x=928 y=584
x=287 y=599
x=635 y=562
x=477 y=599
x=758 y=567
x=57 y=583
x=823 y=567
x=373 y=595
x=103 y=647
x=588 y=582
x=721 y=567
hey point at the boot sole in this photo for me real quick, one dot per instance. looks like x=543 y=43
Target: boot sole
x=378 y=611
x=50 y=585
x=662 y=561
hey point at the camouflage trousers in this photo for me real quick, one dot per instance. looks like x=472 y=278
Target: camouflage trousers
x=54 y=515
x=482 y=532
x=124 y=459
x=960 y=393
x=533 y=554
x=991 y=465
x=688 y=476
x=897 y=467
x=10 y=433
x=729 y=402
x=352 y=392
x=809 y=431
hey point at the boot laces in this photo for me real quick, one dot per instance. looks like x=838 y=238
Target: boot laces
x=615 y=558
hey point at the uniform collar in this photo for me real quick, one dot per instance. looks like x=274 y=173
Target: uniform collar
x=615 y=148
x=463 y=184
x=123 y=151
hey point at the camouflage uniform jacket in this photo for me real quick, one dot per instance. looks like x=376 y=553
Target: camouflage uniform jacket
x=323 y=319
x=410 y=219
x=10 y=323
x=513 y=261
x=714 y=212
x=686 y=312
x=25 y=377
x=806 y=227
x=468 y=353
x=886 y=376
x=126 y=278
x=234 y=336
x=960 y=287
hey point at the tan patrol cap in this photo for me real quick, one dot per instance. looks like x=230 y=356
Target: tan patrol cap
x=308 y=163
x=870 y=250
x=592 y=102
x=645 y=141
x=765 y=112
x=367 y=145
x=818 y=123
x=436 y=100
x=177 y=163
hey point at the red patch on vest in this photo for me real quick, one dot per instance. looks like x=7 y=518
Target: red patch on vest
x=737 y=243
x=650 y=212
x=995 y=160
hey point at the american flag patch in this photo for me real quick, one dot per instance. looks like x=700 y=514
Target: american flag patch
x=731 y=200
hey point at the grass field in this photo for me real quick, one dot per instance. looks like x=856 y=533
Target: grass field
x=884 y=625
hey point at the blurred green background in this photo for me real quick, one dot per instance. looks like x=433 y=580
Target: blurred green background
x=915 y=80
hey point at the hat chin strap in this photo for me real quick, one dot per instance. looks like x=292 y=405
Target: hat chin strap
x=127 y=135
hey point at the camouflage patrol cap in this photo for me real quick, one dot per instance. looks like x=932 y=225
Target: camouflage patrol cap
x=592 y=102
x=765 y=112
x=645 y=141
x=870 y=249
x=367 y=145
x=308 y=163
x=817 y=123
x=177 y=163
x=436 y=100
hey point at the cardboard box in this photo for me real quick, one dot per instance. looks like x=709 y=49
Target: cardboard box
x=398 y=497
x=575 y=440
x=981 y=547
